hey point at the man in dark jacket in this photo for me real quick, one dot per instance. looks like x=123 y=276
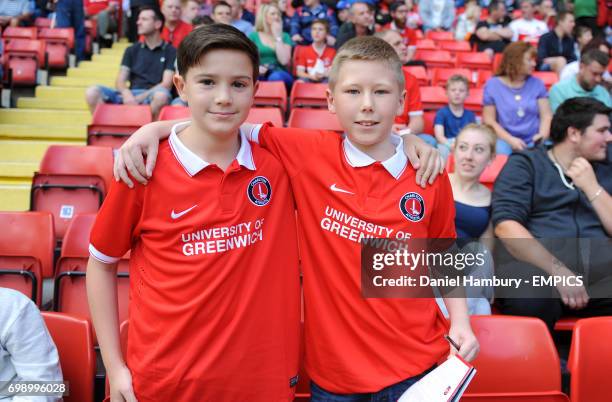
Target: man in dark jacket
x=553 y=212
x=360 y=22
x=557 y=47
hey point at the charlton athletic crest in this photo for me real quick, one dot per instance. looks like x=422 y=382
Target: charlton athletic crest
x=259 y=191
x=412 y=206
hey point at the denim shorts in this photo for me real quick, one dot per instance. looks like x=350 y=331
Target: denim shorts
x=111 y=95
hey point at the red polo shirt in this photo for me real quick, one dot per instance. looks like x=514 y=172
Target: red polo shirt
x=177 y=35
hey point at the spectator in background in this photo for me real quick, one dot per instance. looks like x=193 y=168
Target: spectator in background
x=282 y=5
x=527 y=28
x=133 y=13
x=586 y=14
x=360 y=22
x=190 y=10
x=556 y=48
x=582 y=36
x=413 y=19
x=399 y=13
x=382 y=16
x=586 y=83
x=14 y=12
x=246 y=14
x=572 y=68
x=304 y=16
x=27 y=351
x=148 y=66
x=237 y=22
x=546 y=12
x=437 y=15
x=516 y=103
x=451 y=119
x=105 y=14
x=175 y=29
x=71 y=14
x=342 y=11
x=493 y=34
x=313 y=62
x=222 y=13
x=467 y=21
x=273 y=44
x=560 y=192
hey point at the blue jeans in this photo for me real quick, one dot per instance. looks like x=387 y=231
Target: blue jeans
x=279 y=75
x=69 y=13
x=110 y=95
x=389 y=394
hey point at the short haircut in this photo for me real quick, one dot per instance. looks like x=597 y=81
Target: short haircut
x=458 y=78
x=214 y=37
x=580 y=30
x=395 y=5
x=563 y=15
x=575 y=112
x=589 y=56
x=486 y=130
x=512 y=59
x=367 y=48
x=221 y=4
x=494 y=5
x=157 y=14
x=323 y=22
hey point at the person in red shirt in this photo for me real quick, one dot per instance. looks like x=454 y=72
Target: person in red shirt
x=105 y=14
x=346 y=189
x=214 y=282
x=314 y=61
x=399 y=23
x=175 y=29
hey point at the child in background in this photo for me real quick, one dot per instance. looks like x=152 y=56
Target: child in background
x=314 y=61
x=453 y=117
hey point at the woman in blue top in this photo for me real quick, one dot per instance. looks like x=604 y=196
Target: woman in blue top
x=515 y=103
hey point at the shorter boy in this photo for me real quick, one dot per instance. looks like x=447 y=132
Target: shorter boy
x=304 y=16
x=313 y=62
x=452 y=118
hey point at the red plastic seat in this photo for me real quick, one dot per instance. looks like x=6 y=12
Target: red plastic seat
x=439 y=76
x=256 y=114
x=26 y=251
x=20 y=33
x=420 y=73
x=517 y=355
x=271 y=93
x=435 y=58
x=433 y=98
x=59 y=43
x=474 y=100
x=73 y=338
x=307 y=94
x=429 y=118
x=174 y=113
x=549 y=78
x=590 y=360
x=566 y=324
x=71 y=180
x=474 y=61
x=24 y=57
x=517 y=397
x=439 y=35
x=483 y=77
x=455 y=46
x=40 y=23
x=426 y=44
x=316 y=119
x=112 y=124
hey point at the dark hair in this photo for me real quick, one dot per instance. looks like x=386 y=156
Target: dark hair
x=591 y=55
x=221 y=4
x=213 y=37
x=494 y=5
x=395 y=5
x=562 y=15
x=158 y=16
x=323 y=22
x=579 y=30
x=575 y=112
x=595 y=43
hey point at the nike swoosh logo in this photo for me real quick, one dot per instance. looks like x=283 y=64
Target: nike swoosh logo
x=175 y=215
x=333 y=187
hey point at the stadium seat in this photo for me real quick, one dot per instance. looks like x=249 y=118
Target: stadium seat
x=20 y=33
x=41 y=23
x=26 y=251
x=497 y=59
x=426 y=44
x=549 y=78
x=256 y=114
x=474 y=100
x=420 y=73
x=517 y=397
x=435 y=58
x=174 y=113
x=59 y=42
x=112 y=124
x=71 y=180
x=316 y=119
x=483 y=77
x=439 y=76
x=429 y=118
x=590 y=360
x=439 y=35
x=517 y=355
x=271 y=93
x=307 y=94
x=474 y=61
x=70 y=293
x=25 y=57
x=433 y=98
x=455 y=46
x=73 y=338
x=566 y=324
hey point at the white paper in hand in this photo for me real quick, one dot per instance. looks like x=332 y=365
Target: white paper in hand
x=444 y=384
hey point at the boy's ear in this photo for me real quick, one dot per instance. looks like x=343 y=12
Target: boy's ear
x=331 y=106
x=179 y=83
x=402 y=100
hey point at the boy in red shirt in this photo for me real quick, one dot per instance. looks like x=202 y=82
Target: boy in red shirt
x=314 y=61
x=214 y=282
x=351 y=187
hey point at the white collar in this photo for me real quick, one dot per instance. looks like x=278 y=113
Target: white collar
x=395 y=165
x=193 y=164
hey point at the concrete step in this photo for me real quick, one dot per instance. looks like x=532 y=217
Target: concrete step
x=53 y=104
x=47 y=117
x=81 y=82
x=14 y=197
x=65 y=132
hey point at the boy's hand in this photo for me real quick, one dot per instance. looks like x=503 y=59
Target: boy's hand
x=465 y=338
x=423 y=157
x=120 y=383
x=143 y=142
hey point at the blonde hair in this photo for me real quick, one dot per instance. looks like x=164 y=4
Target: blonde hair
x=368 y=48
x=260 y=20
x=484 y=129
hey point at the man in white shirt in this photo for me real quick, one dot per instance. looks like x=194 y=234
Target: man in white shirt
x=527 y=28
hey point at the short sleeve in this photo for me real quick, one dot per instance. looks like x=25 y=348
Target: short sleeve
x=513 y=191
x=440 y=117
x=170 y=58
x=300 y=60
x=488 y=97
x=412 y=104
x=117 y=222
x=541 y=92
x=127 y=59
